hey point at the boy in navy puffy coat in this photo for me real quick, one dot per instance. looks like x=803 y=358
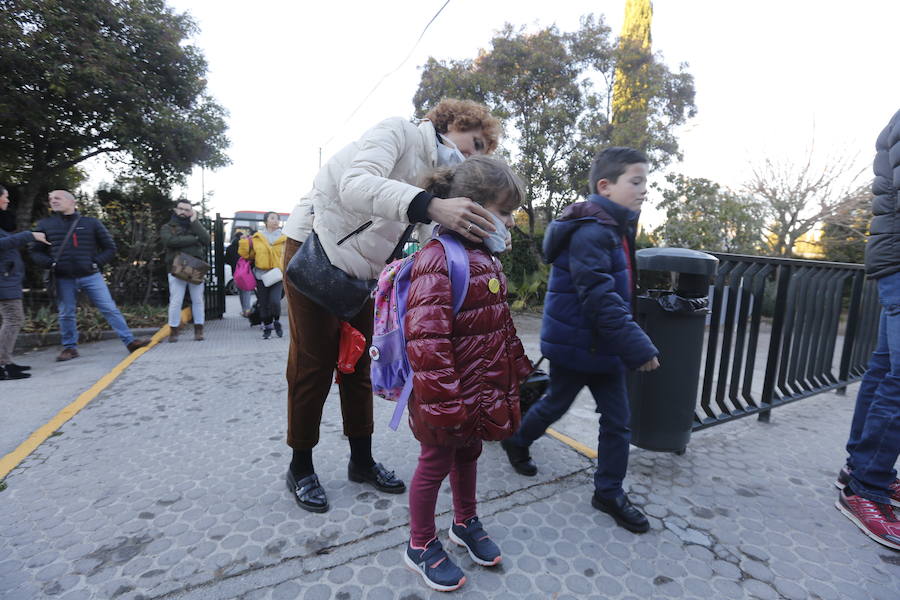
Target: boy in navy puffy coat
x=588 y=333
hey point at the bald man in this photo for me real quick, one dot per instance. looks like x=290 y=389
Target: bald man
x=80 y=246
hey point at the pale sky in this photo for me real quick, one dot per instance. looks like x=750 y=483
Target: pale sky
x=771 y=76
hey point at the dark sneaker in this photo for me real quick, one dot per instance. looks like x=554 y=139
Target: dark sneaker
x=137 y=344
x=843 y=480
x=472 y=536
x=278 y=330
x=67 y=354
x=8 y=373
x=623 y=511
x=267 y=333
x=520 y=458
x=308 y=492
x=876 y=520
x=435 y=567
x=16 y=367
x=378 y=476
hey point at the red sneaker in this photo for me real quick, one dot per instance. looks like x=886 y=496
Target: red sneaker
x=843 y=479
x=876 y=520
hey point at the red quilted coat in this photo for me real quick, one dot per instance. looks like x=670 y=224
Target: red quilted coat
x=466 y=368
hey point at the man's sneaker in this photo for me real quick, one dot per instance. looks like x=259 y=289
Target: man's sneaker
x=472 y=536
x=876 y=520
x=267 y=333
x=137 y=344
x=8 y=373
x=67 y=354
x=843 y=480
x=278 y=329
x=435 y=567
x=623 y=511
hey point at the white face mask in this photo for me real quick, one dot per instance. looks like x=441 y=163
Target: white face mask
x=448 y=154
x=496 y=241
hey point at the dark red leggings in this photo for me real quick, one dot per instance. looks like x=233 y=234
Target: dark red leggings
x=435 y=463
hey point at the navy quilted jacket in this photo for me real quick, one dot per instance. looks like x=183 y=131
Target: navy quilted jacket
x=12 y=270
x=883 y=247
x=91 y=246
x=587 y=323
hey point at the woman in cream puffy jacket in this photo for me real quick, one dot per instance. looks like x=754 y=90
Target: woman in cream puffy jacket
x=361 y=202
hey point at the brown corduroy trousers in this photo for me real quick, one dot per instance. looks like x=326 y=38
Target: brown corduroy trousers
x=312 y=360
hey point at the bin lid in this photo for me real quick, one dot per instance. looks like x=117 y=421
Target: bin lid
x=681 y=260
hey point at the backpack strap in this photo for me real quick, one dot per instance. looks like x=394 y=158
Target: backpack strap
x=458 y=269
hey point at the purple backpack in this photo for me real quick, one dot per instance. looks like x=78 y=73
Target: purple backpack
x=391 y=372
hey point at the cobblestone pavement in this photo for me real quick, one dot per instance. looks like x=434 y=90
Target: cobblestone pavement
x=171 y=485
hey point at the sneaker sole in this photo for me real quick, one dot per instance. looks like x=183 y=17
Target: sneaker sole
x=458 y=541
x=839 y=485
x=852 y=517
x=435 y=586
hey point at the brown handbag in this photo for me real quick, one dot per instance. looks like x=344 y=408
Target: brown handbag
x=188 y=268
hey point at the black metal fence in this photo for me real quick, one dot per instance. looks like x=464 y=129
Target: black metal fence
x=781 y=330
x=214 y=290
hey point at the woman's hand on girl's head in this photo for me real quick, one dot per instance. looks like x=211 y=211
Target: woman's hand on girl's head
x=467 y=218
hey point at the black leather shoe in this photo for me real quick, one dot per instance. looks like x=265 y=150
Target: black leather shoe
x=519 y=458
x=378 y=476
x=15 y=367
x=623 y=511
x=308 y=492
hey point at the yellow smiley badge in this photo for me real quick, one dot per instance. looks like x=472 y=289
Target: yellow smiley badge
x=494 y=285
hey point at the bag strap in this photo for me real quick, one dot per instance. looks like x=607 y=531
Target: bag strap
x=398 y=249
x=65 y=239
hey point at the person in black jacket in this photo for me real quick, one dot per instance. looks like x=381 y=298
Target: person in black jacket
x=12 y=272
x=79 y=247
x=868 y=481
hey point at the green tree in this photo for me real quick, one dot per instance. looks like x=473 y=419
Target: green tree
x=700 y=214
x=554 y=91
x=629 y=104
x=844 y=232
x=84 y=78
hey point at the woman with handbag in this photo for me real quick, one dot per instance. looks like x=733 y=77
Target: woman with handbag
x=12 y=272
x=184 y=235
x=366 y=199
x=265 y=249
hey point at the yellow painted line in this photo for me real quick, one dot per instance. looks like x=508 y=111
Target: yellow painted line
x=573 y=443
x=12 y=460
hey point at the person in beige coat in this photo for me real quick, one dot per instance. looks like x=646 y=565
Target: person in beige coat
x=364 y=197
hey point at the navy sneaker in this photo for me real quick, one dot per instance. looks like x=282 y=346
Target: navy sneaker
x=472 y=536
x=267 y=333
x=435 y=567
x=278 y=330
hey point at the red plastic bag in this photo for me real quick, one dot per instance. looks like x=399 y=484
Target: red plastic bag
x=351 y=347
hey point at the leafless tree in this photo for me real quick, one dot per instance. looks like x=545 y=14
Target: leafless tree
x=796 y=196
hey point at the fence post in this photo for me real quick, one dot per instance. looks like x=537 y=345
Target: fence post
x=852 y=327
x=784 y=282
x=220 y=264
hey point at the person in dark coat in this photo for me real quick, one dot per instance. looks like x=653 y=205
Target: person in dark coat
x=12 y=272
x=466 y=371
x=869 y=481
x=588 y=333
x=183 y=232
x=76 y=266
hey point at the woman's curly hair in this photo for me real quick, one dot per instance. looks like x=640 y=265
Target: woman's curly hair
x=465 y=115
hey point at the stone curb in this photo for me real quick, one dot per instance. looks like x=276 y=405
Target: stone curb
x=30 y=341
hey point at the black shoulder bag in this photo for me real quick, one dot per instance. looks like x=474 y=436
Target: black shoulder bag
x=50 y=275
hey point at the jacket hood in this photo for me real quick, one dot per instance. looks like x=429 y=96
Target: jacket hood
x=596 y=208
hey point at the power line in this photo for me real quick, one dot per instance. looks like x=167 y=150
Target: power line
x=385 y=76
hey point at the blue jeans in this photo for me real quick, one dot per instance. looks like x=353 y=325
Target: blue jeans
x=95 y=287
x=874 y=441
x=611 y=396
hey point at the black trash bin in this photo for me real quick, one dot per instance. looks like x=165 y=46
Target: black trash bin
x=663 y=401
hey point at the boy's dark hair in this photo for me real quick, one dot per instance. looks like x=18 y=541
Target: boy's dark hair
x=611 y=162
x=479 y=178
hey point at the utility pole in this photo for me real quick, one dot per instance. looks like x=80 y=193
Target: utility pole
x=320 y=157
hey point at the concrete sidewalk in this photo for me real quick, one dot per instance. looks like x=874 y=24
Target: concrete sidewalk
x=170 y=484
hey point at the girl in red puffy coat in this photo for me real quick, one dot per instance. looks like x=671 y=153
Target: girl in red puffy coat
x=466 y=371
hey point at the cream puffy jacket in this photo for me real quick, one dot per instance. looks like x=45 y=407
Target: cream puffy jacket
x=371 y=179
